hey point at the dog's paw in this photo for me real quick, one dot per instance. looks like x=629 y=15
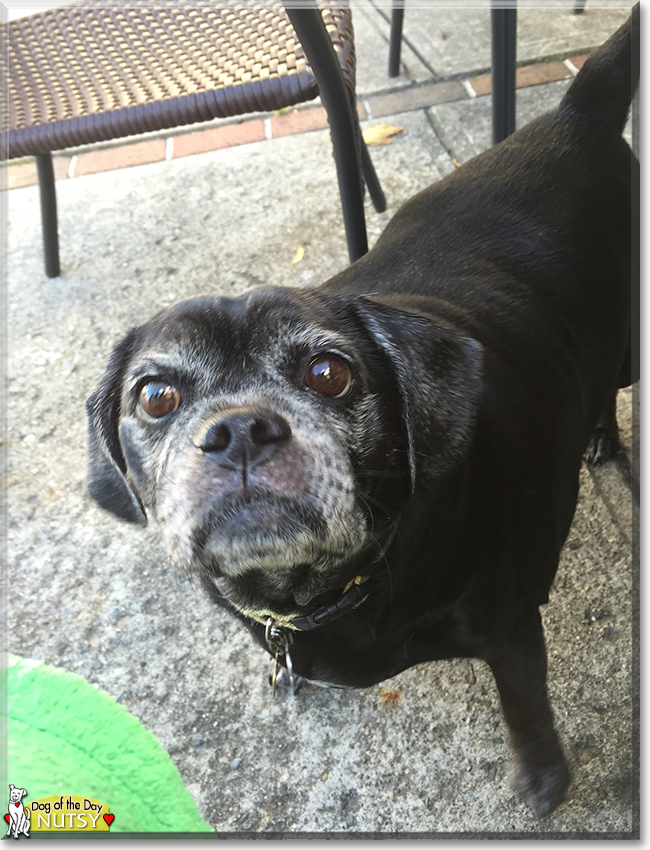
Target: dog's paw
x=545 y=786
x=604 y=446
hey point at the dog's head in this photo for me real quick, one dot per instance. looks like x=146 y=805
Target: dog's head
x=16 y=794
x=276 y=437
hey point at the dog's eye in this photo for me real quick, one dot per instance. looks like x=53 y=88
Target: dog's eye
x=159 y=399
x=329 y=375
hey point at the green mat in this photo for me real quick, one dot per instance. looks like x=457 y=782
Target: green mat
x=66 y=737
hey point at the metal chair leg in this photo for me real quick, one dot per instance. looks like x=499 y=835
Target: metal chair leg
x=372 y=181
x=504 y=54
x=395 y=49
x=47 y=187
x=312 y=34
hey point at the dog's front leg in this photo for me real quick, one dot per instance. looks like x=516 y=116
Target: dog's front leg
x=518 y=662
x=605 y=443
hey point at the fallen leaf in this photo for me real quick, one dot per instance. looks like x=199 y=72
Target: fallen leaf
x=440 y=33
x=391 y=698
x=300 y=253
x=456 y=163
x=325 y=777
x=379 y=134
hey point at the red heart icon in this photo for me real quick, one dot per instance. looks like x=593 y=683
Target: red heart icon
x=16 y=804
x=7 y=818
x=109 y=819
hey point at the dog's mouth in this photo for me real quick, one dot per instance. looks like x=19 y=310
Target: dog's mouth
x=257 y=593
x=277 y=555
x=267 y=549
x=302 y=592
x=260 y=528
x=266 y=513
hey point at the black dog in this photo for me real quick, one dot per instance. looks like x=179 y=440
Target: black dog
x=383 y=471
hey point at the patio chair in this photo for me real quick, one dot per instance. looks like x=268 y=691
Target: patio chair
x=504 y=52
x=88 y=73
x=504 y=56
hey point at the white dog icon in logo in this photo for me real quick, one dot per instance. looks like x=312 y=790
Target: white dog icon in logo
x=18 y=814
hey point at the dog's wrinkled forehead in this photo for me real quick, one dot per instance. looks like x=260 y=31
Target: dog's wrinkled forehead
x=261 y=333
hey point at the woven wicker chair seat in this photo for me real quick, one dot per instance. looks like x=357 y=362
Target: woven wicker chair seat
x=80 y=74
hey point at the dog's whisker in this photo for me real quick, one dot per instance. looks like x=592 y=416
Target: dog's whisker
x=366 y=499
x=384 y=559
x=380 y=473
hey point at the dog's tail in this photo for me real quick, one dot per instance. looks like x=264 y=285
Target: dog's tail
x=604 y=88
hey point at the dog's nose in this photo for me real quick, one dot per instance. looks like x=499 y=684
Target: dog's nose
x=243 y=436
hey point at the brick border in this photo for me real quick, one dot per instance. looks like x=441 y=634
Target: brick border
x=297 y=120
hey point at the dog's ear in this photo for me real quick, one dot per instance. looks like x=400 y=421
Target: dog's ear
x=107 y=480
x=439 y=376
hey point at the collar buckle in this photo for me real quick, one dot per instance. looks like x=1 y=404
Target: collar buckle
x=278 y=640
x=352 y=598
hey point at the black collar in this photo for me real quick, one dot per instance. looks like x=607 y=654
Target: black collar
x=354 y=594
